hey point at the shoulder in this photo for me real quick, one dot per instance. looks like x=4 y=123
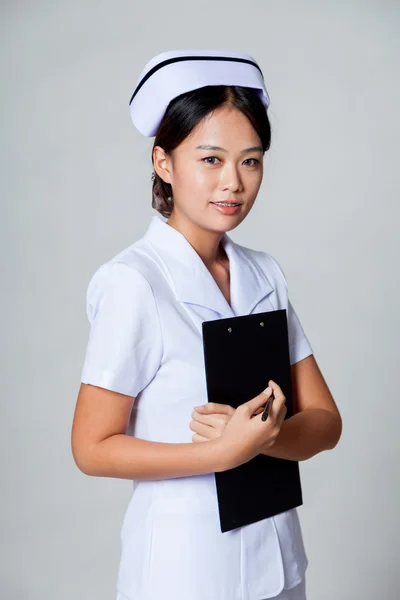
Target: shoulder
x=124 y=269
x=119 y=283
x=125 y=344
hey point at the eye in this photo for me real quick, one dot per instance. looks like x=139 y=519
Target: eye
x=207 y=158
x=255 y=161
x=209 y=163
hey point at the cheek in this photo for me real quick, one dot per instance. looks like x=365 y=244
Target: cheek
x=253 y=182
x=197 y=179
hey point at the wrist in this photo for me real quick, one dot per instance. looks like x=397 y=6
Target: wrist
x=221 y=456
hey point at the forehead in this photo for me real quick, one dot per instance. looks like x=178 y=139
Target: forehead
x=226 y=124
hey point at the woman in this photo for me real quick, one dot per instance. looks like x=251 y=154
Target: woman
x=144 y=371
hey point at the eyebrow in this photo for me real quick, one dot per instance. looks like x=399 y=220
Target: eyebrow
x=210 y=147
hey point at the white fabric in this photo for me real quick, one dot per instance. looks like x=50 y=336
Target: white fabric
x=295 y=593
x=125 y=345
x=166 y=76
x=146 y=306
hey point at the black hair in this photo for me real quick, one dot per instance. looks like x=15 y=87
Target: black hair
x=185 y=112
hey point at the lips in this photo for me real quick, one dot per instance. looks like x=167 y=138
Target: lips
x=227 y=209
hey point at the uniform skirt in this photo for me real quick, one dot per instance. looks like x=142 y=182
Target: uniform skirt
x=298 y=592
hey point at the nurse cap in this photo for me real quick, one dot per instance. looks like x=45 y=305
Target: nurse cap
x=171 y=73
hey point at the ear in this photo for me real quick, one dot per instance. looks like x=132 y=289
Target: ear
x=162 y=164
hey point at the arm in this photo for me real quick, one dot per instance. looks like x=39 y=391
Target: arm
x=101 y=448
x=316 y=425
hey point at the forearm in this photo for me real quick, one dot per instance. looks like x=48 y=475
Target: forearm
x=305 y=434
x=127 y=457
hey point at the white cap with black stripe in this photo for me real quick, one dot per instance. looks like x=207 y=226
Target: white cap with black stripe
x=171 y=73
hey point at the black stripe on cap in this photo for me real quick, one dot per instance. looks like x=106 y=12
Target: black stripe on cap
x=181 y=58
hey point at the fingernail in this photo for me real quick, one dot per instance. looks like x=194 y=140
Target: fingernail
x=202 y=406
x=267 y=390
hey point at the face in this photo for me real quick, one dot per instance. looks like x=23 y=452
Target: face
x=200 y=175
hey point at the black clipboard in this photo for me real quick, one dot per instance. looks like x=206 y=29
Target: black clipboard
x=241 y=355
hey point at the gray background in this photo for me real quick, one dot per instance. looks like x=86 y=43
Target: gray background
x=76 y=190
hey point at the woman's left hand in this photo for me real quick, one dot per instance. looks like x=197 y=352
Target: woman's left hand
x=209 y=421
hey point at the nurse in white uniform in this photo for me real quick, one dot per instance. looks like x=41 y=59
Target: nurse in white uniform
x=143 y=373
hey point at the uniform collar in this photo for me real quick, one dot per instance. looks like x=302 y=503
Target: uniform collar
x=193 y=283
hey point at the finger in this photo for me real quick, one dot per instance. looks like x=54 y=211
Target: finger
x=257 y=402
x=277 y=408
x=214 y=419
x=267 y=409
x=282 y=414
x=279 y=399
x=278 y=393
x=215 y=407
x=204 y=430
x=199 y=438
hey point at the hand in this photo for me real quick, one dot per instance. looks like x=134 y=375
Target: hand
x=245 y=434
x=209 y=421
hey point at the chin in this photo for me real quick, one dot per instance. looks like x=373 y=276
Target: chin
x=223 y=223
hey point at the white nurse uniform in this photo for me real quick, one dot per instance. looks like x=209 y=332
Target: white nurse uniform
x=145 y=307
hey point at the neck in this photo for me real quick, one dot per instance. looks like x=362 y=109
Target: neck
x=206 y=243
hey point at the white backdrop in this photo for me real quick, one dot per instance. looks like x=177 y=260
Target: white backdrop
x=77 y=189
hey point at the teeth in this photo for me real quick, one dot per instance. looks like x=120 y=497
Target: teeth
x=226 y=204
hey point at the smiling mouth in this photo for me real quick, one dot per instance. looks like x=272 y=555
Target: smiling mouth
x=226 y=203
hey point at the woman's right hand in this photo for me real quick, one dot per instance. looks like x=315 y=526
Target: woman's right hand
x=246 y=434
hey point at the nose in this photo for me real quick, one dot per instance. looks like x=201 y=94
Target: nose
x=230 y=179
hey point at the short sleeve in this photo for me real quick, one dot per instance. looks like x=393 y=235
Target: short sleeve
x=124 y=348
x=299 y=345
